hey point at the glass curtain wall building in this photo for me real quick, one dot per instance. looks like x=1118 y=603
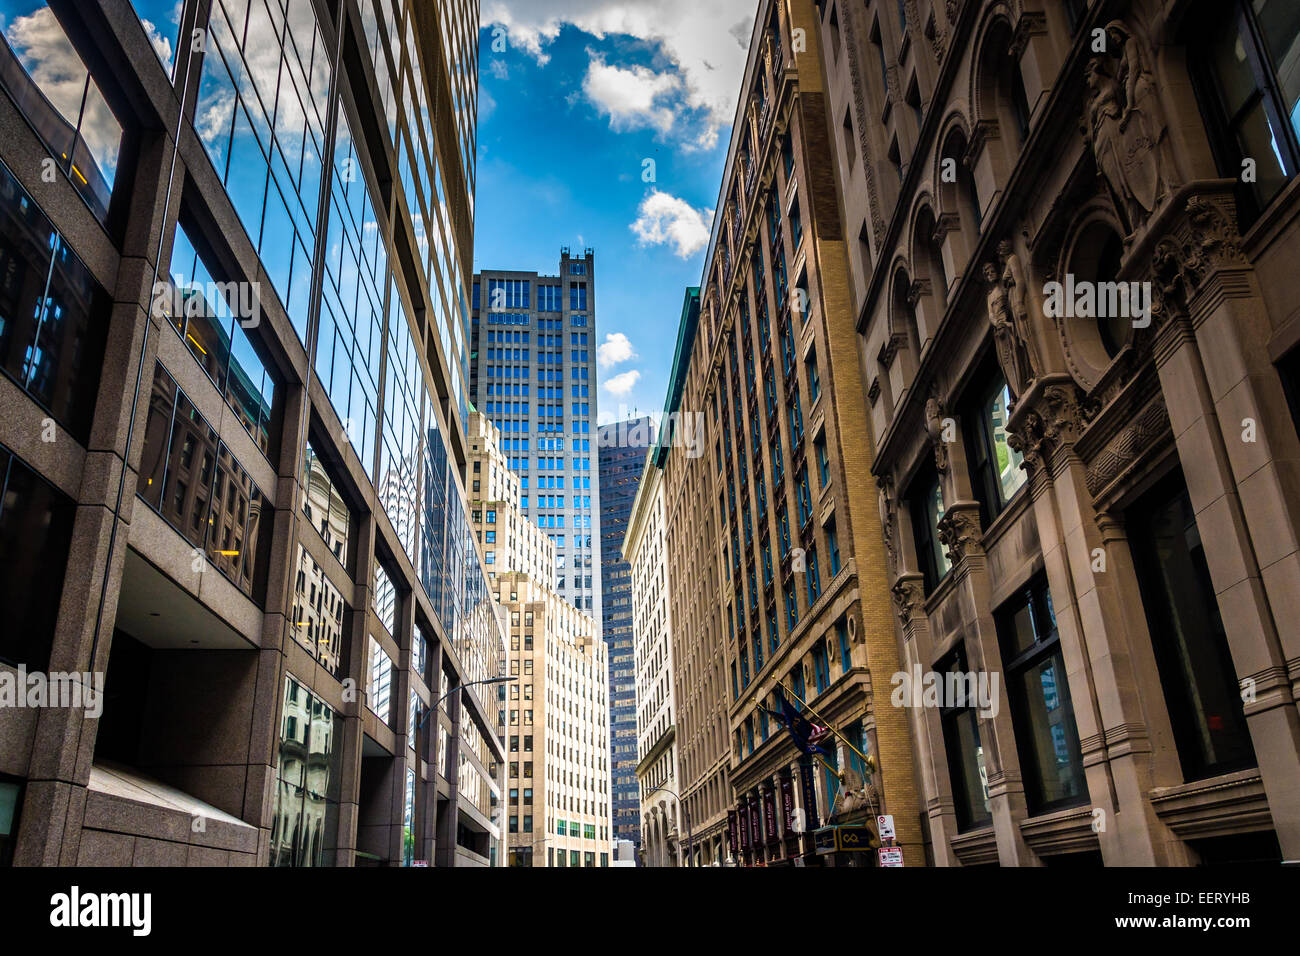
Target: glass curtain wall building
x=234 y=319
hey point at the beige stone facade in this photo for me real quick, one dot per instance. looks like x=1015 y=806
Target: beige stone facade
x=556 y=731
x=1090 y=498
x=664 y=831
x=508 y=539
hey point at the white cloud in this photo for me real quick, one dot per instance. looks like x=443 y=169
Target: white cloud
x=622 y=383
x=707 y=43
x=664 y=219
x=616 y=348
x=53 y=64
x=628 y=97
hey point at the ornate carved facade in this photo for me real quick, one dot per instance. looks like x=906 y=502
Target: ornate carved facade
x=1083 y=415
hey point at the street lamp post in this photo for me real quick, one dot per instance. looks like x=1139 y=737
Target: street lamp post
x=686 y=814
x=429 y=751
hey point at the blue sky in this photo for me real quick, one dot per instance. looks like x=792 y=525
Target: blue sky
x=574 y=98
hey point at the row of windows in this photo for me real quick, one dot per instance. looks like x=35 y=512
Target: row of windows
x=190 y=477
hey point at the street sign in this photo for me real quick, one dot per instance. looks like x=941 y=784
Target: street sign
x=890 y=856
x=885 y=826
x=423 y=863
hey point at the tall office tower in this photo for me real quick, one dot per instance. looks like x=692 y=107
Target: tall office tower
x=802 y=604
x=666 y=834
x=622 y=454
x=1095 y=508
x=235 y=293
x=556 y=720
x=533 y=374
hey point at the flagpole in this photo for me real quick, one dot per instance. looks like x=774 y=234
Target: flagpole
x=868 y=763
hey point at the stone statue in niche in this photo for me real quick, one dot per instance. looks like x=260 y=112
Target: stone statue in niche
x=934 y=425
x=1126 y=128
x=1017 y=285
x=1005 y=337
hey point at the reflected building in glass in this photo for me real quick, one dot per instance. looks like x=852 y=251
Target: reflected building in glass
x=234 y=314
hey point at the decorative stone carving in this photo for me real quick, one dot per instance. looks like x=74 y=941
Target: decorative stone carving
x=864 y=124
x=1127 y=447
x=1054 y=417
x=1011 y=355
x=909 y=594
x=1126 y=128
x=885 y=494
x=934 y=421
x=1204 y=240
x=959 y=529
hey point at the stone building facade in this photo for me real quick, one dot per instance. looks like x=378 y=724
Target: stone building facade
x=792 y=534
x=664 y=834
x=1073 y=232
x=556 y=720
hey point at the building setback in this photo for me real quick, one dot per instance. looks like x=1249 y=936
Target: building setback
x=1089 y=504
x=623 y=447
x=233 y=438
x=532 y=367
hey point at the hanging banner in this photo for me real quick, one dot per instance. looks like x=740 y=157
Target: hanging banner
x=787 y=806
x=731 y=833
x=809 y=794
x=769 y=815
x=755 y=825
x=743 y=816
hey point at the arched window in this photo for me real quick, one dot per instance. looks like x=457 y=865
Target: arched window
x=1002 y=86
x=960 y=193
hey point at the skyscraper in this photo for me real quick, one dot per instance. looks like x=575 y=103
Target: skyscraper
x=234 y=439
x=623 y=448
x=532 y=370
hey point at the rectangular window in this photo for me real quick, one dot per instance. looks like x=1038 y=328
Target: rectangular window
x=305 y=821
x=1196 y=668
x=35 y=534
x=926 y=502
x=995 y=466
x=53 y=314
x=1039 y=693
x=966 y=766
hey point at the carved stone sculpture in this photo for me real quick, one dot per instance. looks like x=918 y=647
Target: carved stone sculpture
x=1005 y=338
x=934 y=425
x=1126 y=128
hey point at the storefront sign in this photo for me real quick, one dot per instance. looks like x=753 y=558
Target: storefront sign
x=843 y=840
